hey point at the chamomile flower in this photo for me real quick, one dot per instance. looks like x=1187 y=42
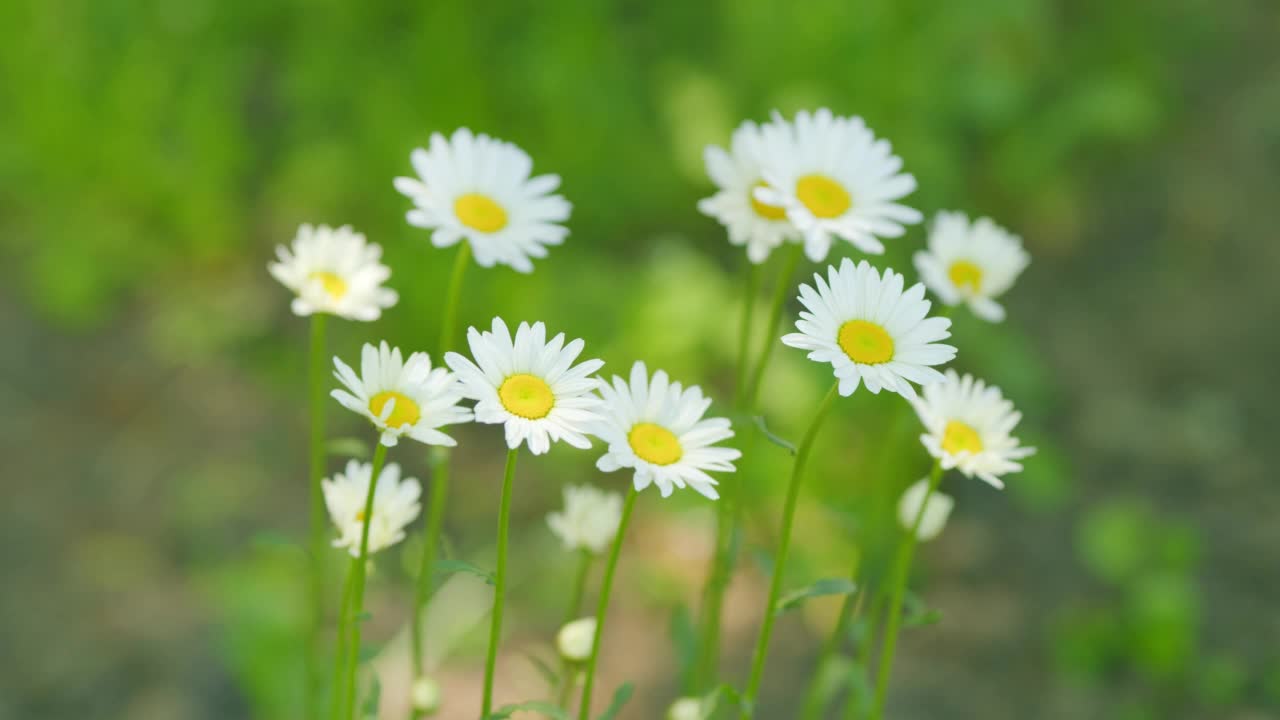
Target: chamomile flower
x=834 y=178
x=936 y=511
x=871 y=330
x=656 y=427
x=478 y=189
x=758 y=226
x=589 y=520
x=971 y=263
x=401 y=397
x=530 y=385
x=968 y=425
x=395 y=505
x=334 y=271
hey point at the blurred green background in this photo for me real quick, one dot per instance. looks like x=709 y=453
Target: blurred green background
x=152 y=154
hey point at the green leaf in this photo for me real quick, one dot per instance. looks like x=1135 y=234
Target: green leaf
x=916 y=613
x=775 y=439
x=544 y=668
x=541 y=707
x=348 y=447
x=268 y=540
x=684 y=638
x=620 y=698
x=364 y=616
x=725 y=694
x=370 y=707
x=818 y=588
x=449 y=567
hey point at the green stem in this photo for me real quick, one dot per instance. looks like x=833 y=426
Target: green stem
x=784 y=546
x=430 y=549
x=571 y=613
x=751 y=289
x=853 y=702
x=449 y=320
x=849 y=610
x=717 y=583
x=901 y=570
x=780 y=293
x=319 y=521
x=337 y=701
x=360 y=570
x=602 y=605
x=500 y=584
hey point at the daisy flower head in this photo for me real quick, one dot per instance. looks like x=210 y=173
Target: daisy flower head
x=835 y=179
x=737 y=173
x=530 y=385
x=936 y=511
x=334 y=271
x=589 y=520
x=973 y=263
x=871 y=330
x=656 y=427
x=967 y=427
x=478 y=189
x=401 y=397
x=395 y=505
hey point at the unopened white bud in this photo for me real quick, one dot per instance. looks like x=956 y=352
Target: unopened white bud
x=426 y=695
x=685 y=709
x=575 y=639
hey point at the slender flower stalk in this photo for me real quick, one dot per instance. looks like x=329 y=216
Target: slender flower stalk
x=499 y=583
x=602 y=605
x=449 y=320
x=359 y=573
x=571 y=613
x=319 y=521
x=337 y=698
x=849 y=611
x=789 y=260
x=901 y=571
x=853 y=705
x=751 y=288
x=784 y=546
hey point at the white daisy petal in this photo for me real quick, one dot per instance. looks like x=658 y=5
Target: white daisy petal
x=334 y=271
x=968 y=425
x=401 y=398
x=973 y=263
x=395 y=505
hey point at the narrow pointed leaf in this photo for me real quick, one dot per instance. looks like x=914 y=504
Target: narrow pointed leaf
x=620 y=698
x=819 y=588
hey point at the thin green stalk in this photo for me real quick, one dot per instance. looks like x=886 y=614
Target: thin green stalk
x=784 y=546
x=717 y=583
x=901 y=570
x=319 y=521
x=576 y=596
x=780 y=293
x=602 y=605
x=499 y=584
x=449 y=319
x=852 y=705
x=751 y=288
x=337 y=699
x=360 y=570
x=430 y=549
x=849 y=610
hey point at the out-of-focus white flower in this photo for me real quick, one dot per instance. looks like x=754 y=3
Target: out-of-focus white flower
x=334 y=271
x=936 y=511
x=758 y=226
x=425 y=694
x=589 y=520
x=395 y=505
x=401 y=398
x=968 y=427
x=530 y=385
x=688 y=708
x=476 y=188
x=575 y=639
x=973 y=264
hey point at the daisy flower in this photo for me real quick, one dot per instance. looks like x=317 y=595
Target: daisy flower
x=835 y=179
x=967 y=425
x=395 y=505
x=334 y=271
x=477 y=188
x=737 y=173
x=589 y=520
x=529 y=385
x=971 y=263
x=871 y=330
x=656 y=427
x=935 y=515
x=401 y=398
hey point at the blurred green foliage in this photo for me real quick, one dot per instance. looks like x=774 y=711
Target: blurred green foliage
x=153 y=153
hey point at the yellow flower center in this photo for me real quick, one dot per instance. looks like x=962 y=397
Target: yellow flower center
x=527 y=396
x=960 y=437
x=865 y=342
x=405 y=411
x=334 y=285
x=654 y=443
x=480 y=212
x=824 y=197
x=765 y=210
x=965 y=275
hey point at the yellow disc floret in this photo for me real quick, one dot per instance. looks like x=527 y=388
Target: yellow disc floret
x=480 y=212
x=527 y=396
x=334 y=285
x=865 y=342
x=404 y=412
x=654 y=443
x=824 y=197
x=960 y=437
x=765 y=210
x=965 y=275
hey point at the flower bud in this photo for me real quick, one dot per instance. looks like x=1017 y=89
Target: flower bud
x=685 y=709
x=426 y=695
x=575 y=639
